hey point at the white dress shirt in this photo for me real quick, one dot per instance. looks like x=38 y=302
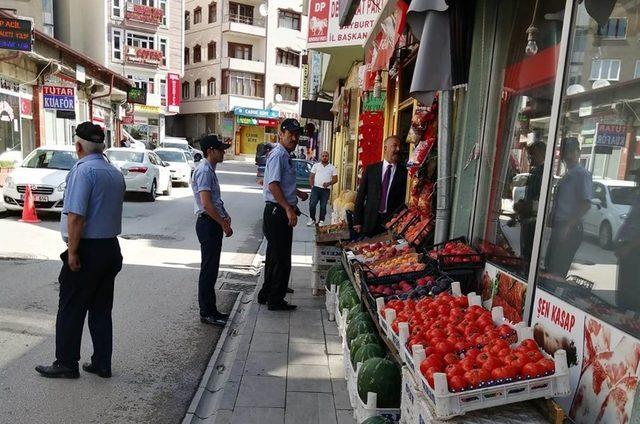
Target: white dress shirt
x=323 y=174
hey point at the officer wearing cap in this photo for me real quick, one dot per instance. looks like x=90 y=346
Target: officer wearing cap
x=91 y=219
x=213 y=220
x=280 y=216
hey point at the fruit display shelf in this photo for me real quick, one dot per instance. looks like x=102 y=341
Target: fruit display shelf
x=454 y=254
x=333 y=233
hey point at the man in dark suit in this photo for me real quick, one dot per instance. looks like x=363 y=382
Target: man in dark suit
x=382 y=190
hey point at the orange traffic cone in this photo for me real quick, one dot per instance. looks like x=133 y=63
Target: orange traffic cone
x=29 y=209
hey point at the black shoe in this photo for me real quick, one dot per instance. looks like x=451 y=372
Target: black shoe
x=89 y=367
x=262 y=301
x=57 y=371
x=221 y=316
x=289 y=290
x=281 y=306
x=213 y=320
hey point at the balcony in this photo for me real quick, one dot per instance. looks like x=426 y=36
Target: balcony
x=243 y=24
x=146 y=17
x=141 y=56
x=253 y=66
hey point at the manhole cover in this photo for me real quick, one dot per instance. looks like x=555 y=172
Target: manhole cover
x=240 y=287
x=161 y=237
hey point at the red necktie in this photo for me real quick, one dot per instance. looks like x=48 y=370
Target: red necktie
x=385 y=189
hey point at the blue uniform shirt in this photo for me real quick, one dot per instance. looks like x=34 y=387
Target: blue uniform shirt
x=280 y=168
x=205 y=179
x=573 y=189
x=95 y=190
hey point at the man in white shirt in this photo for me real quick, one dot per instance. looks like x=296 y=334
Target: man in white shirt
x=323 y=176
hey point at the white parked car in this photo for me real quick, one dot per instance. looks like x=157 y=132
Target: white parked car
x=144 y=171
x=183 y=144
x=610 y=204
x=178 y=164
x=45 y=170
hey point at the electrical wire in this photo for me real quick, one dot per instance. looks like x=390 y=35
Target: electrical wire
x=39 y=74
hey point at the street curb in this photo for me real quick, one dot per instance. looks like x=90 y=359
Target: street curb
x=208 y=375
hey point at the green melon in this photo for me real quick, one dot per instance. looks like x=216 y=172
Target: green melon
x=368 y=351
x=380 y=376
x=348 y=299
x=335 y=275
x=361 y=340
x=359 y=326
x=377 y=420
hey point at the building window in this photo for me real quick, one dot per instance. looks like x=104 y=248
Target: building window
x=213 y=12
x=287 y=57
x=211 y=87
x=211 y=50
x=288 y=19
x=185 y=90
x=636 y=72
x=165 y=10
x=241 y=13
x=186 y=55
x=608 y=69
x=141 y=82
x=116 y=41
x=142 y=41
x=197 y=54
x=243 y=84
x=288 y=93
x=151 y=86
x=614 y=28
x=164 y=48
x=116 y=8
x=187 y=20
x=197 y=88
x=163 y=92
x=240 y=51
x=197 y=15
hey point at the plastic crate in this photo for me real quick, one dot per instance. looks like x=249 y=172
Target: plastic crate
x=338 y=236
x=409 y=398
x=331 y=301
x=452 y=262
x=326 y=255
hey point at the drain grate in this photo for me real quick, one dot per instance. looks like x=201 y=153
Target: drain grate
x=240 y=287
x=160 y=237
x=249 y=278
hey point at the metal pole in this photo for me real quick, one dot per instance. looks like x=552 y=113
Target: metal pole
x=443 y=186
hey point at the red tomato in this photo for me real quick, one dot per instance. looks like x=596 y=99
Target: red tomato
x=548 y=365
x=533 y=355
x=429 y=350
x=435 y=333
x=444 y=347
x=451 y=358
x=462 y=301
x=531 y=370
x=432 y=361
x=491 y=363
x=504 y=373
x=428 y=374
x=454 y=369
x=529 y=344
x=505 y=331
x=477 y=376
x=516 y=360
x=471 y=330
x=461 y=346
x=468 y=364
x=457 y=383
x=472 y=353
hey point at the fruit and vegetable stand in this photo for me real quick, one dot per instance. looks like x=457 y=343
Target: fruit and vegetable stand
x=417 y=349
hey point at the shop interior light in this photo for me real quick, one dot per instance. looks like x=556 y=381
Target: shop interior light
x=532 y=34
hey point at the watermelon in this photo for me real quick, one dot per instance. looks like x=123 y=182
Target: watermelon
x=368 y=351
x=336 y=275
x=361 y=340
x=380 y=376
x=348 y=299
x=359 y=326
x=377 y=420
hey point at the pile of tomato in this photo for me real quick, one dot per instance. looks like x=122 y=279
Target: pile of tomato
x=463 y=342
x=455 y=252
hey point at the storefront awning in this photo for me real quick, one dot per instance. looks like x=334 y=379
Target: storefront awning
x=317 y=110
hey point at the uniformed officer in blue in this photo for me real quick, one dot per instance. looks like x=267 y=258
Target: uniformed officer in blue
x=213 y=220
x=280 y=216
x=90 y=222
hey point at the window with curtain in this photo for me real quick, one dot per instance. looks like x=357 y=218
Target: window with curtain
x=213 y=12
x=211 y=50
x=197 y=89
x=289 y=19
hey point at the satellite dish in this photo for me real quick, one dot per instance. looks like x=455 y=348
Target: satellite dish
x=263 y=9
x=575 y=89
x=278 y=97
x=600 y=83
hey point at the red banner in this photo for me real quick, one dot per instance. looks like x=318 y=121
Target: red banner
x=145 y=14
x=318 y=20
x=173 y=92
x=26 y=108
x=143 y=56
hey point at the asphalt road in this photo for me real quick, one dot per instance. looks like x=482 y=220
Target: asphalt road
x=160 y=347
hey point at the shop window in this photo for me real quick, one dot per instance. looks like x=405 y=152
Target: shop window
x=589 y=253
x=287 y=57
x=519 y=111
x=288 y=93
x=615 y=28
x=288 y=19
x=197 y=15
x=197 y=89
x=240 y=51
x=185 y=90
x=605 y=69
x=116 y=47
x=187 y=20
x=213 y=12
x=211 y=87
x=211 y=50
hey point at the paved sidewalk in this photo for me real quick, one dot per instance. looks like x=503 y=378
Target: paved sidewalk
x=288 y=365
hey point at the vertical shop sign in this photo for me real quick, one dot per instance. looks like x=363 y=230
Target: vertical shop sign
x=318 y=20
x=305 y=81
x=173 y=92
x=316 y=72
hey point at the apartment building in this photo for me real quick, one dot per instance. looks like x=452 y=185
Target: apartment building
x=242 y=69
x=140 y=39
